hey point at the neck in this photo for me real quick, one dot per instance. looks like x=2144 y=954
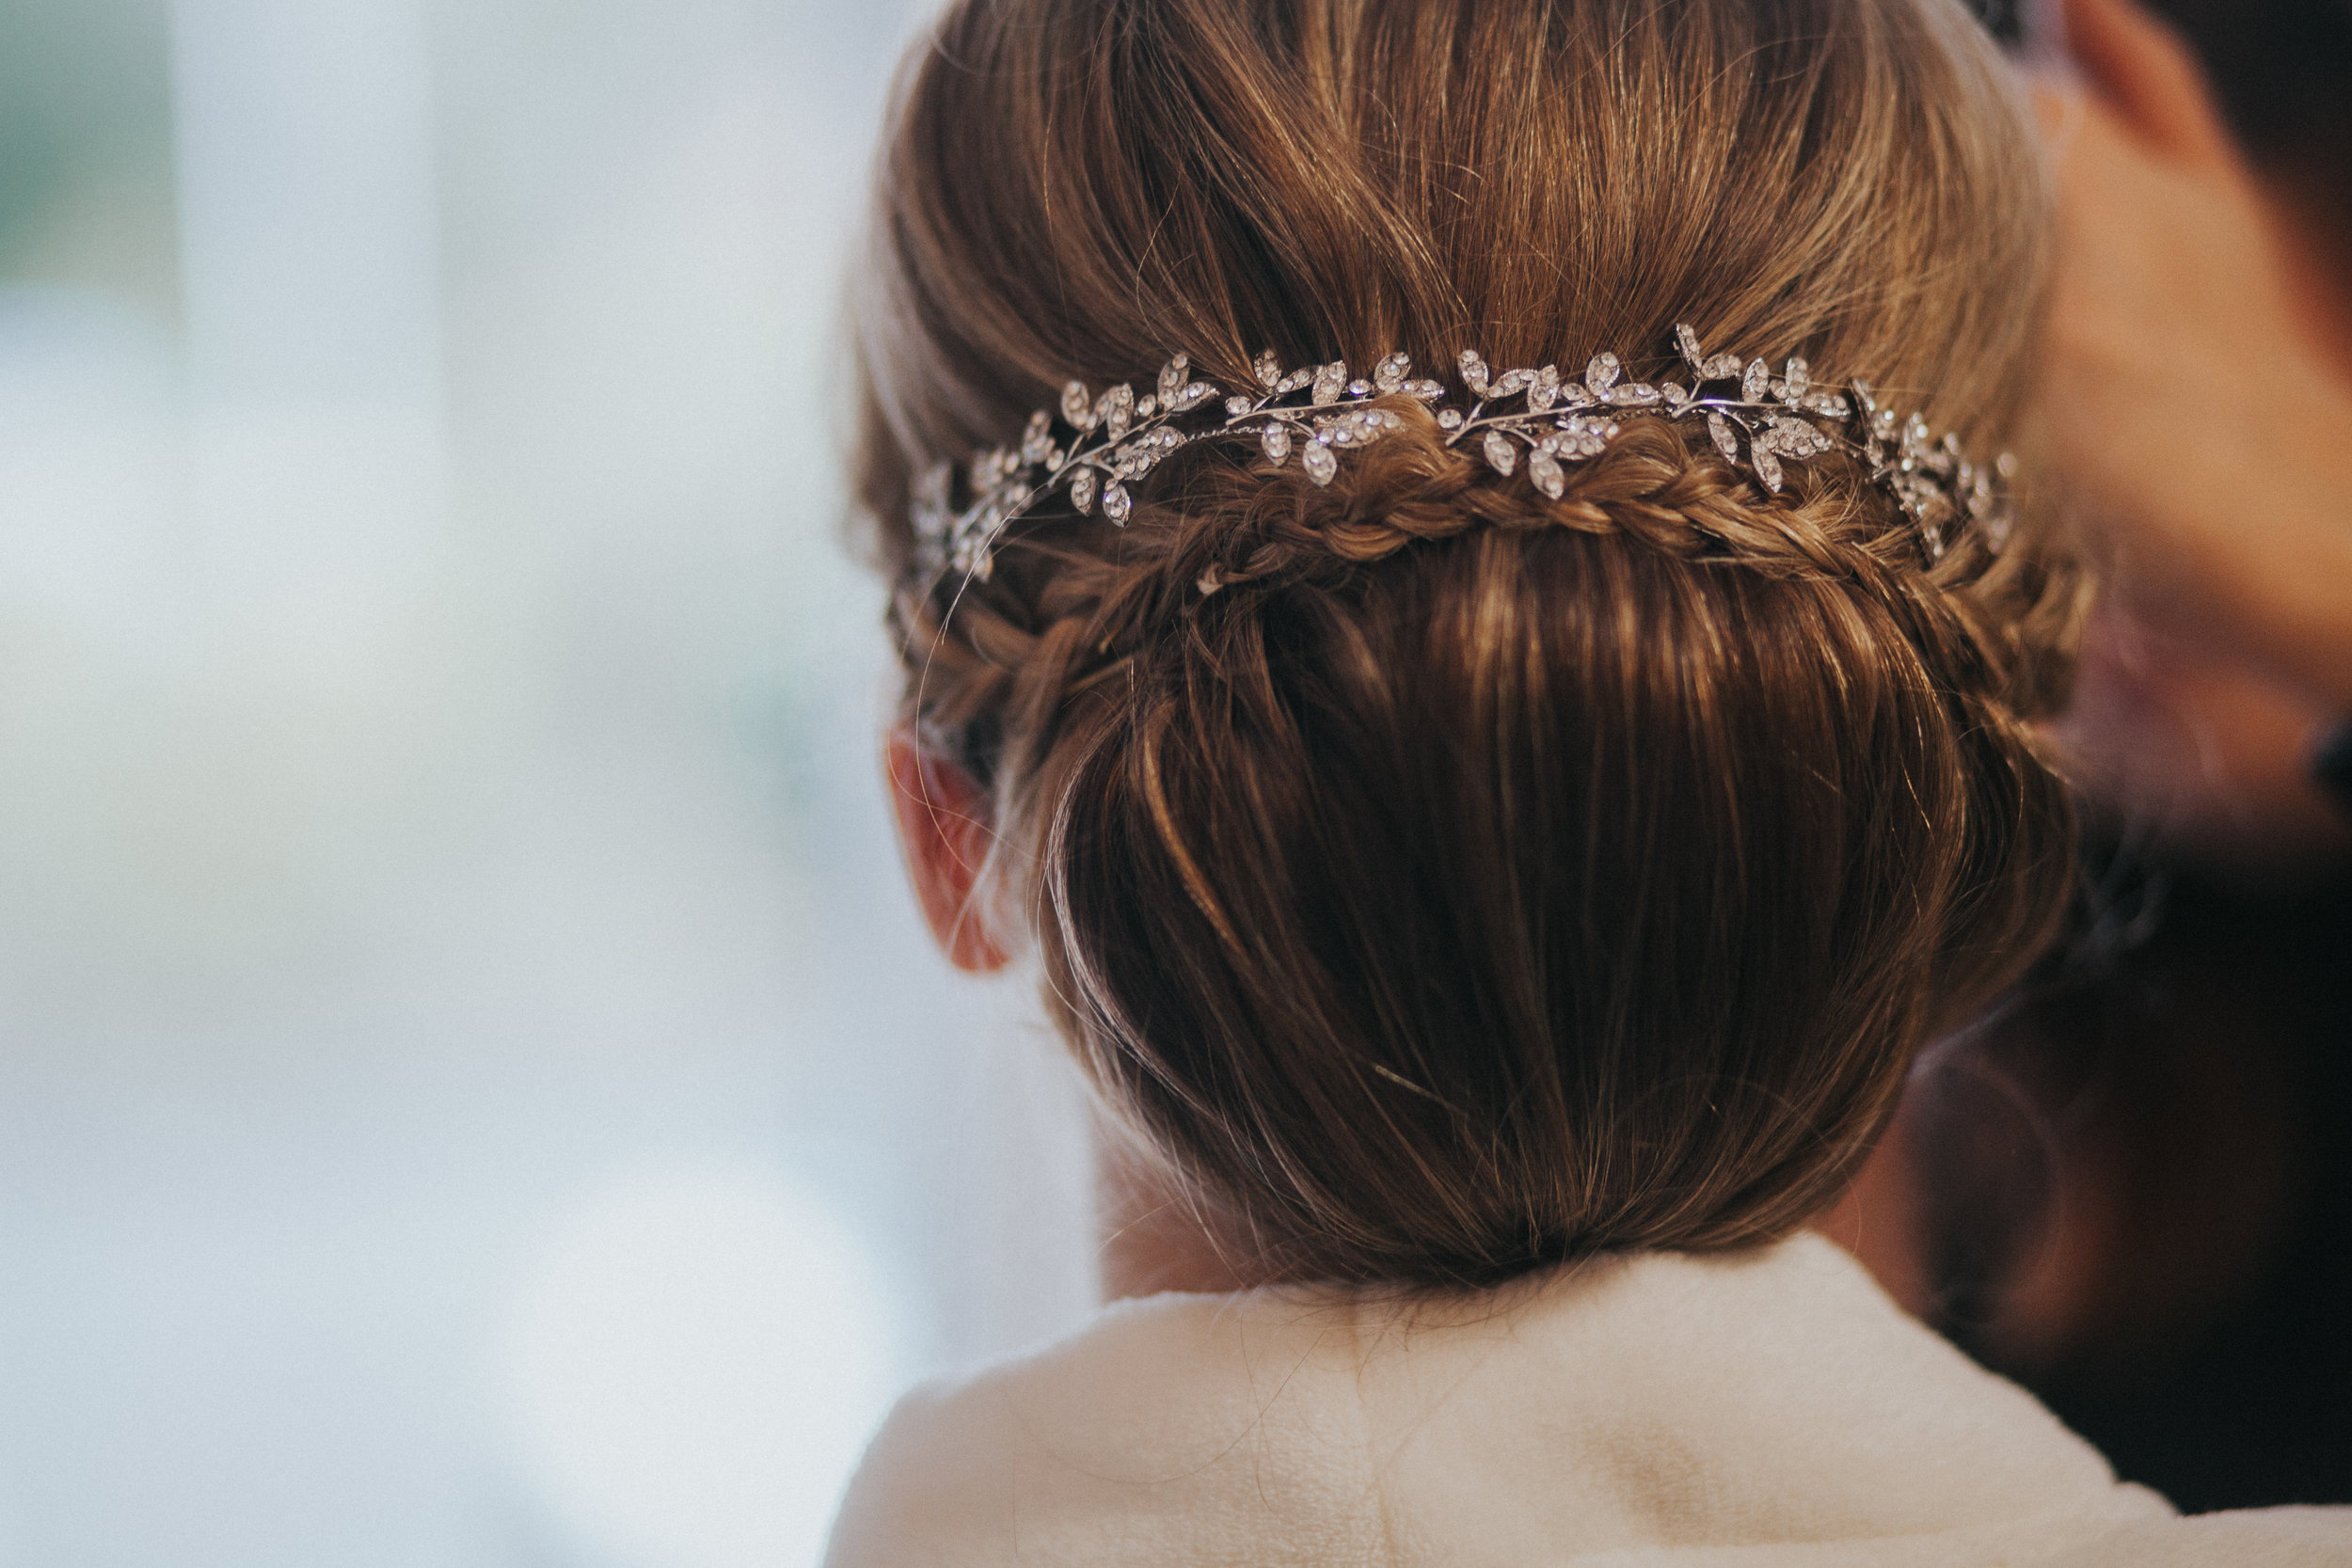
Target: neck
x=1153 y=1237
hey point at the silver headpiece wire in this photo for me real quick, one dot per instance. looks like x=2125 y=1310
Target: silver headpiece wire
x=1094 y=448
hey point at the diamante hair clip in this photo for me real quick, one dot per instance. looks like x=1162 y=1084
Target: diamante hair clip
x=1093 y=450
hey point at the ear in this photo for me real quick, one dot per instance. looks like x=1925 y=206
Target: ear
x=2143 y=72
x=944 y=829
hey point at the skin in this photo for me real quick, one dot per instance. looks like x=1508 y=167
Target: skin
x=2199 y=403
x=2225 y=511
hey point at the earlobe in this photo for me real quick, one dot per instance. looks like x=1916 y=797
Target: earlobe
x=944 y=831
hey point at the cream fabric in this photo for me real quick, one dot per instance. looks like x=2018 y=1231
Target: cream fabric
x=1768 y=1409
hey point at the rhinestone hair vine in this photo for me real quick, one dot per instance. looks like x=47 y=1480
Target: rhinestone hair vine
x=1094 y=448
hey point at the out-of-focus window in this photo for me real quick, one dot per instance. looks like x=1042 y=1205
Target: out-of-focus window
x=472 y=1090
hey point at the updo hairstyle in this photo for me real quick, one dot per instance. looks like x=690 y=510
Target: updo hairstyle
x=1478 y=880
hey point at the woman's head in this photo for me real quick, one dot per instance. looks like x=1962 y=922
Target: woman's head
x=1482 y=878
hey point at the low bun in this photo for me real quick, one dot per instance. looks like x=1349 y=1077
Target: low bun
x=1441 y=878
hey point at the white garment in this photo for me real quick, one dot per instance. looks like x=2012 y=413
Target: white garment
x=1758 y=1410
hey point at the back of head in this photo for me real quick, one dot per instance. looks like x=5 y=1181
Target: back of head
x=1477 y=877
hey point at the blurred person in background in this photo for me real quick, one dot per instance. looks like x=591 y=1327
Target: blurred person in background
x=2137 y=1187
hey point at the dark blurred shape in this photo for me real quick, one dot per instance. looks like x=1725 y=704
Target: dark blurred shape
x=2140 y=1190
x=2332 y=767
x=2283 y=70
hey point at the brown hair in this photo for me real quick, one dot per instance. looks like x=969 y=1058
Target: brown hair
x=1486 y=878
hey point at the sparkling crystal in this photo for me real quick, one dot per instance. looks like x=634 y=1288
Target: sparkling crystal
x=1726 y=443
x=1767 y=466
x=1236 y=406
x=1269 y=369
x=1546 y=472
x=1172 y=378
x=1510 y=382
x=1688 y=341
x=1328 y=380
x=1600 y=372
x=1037 y=437
x=1674 y=393
x=1634 y=393
x=1799 y=376
x=1358 y=389
x=1474 y=371
x=1192 y=395
x=1796 y=438
x=1276 y=439
x=1388 y=375
x=1755 y=381
x=1293 y=381
x=1082 y=490
x=1317 y=460
x=1545 y=391
x=1428 y=392
x=1145 y=404
x=1115 y=504
x=1501 y=453
x=1116 y=409
x=1450 y=418
x=1722 y=368
x=1075 y=408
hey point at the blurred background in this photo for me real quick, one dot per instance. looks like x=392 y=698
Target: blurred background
x=473 y=1089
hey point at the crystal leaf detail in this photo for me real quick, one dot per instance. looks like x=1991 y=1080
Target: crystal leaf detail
x=1546 y=472
x=1796 y=438
x=1582 y=439
x=1358 y=427
x=1726 y=443
x=1116 y=409
x=1037 y=437
x=1118 y=437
